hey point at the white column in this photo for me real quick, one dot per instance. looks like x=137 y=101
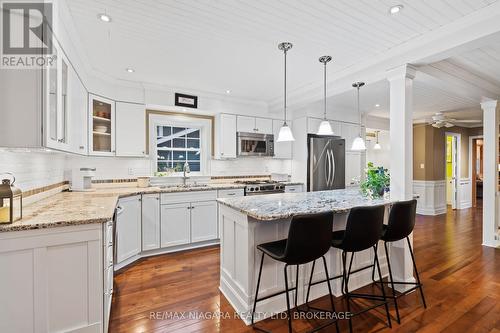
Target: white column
x=401 y=138
x=490 y=172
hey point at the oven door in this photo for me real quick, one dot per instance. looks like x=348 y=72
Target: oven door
x=252 y=144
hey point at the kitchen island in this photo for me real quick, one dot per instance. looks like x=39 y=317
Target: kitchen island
x=248 y=221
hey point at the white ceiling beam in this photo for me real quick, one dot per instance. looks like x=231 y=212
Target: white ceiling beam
x=466 y=33
x=447 y=76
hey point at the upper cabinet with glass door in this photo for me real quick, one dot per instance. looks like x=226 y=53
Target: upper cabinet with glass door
x=101 y=126
x=56 y=102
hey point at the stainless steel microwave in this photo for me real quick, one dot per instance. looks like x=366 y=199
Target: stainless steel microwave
x=254 y=144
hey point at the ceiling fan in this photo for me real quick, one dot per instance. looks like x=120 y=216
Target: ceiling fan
x=439 y=120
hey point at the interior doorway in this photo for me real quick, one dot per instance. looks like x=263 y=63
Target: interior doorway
x=451 y=171
x=476 y=165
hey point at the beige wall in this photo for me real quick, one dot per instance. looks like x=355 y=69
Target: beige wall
x=429 y=146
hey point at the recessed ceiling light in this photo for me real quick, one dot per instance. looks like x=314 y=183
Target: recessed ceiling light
x=228 y=92
x=395 y=9
x=377 y=105
x=130 y=70
x=104 y=17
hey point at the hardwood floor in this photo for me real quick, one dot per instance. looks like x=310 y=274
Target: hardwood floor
x=461 y=284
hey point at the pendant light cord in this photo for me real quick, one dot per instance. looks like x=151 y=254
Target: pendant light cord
x=359 y=114
x=284 y=104
x=324 y=79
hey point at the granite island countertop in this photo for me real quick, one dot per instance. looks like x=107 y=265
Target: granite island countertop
x=279 y=206
x=74 y=208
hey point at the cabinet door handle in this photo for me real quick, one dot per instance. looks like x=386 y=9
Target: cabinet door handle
x=230 y=194
x=81 y=147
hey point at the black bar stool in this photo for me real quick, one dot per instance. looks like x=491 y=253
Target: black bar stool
x=363 y=230
x=309 y=238
x=400 y=226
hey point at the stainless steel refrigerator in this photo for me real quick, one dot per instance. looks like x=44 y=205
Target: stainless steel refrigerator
x=326 y=163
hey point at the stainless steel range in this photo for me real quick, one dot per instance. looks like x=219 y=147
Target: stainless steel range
x=255 y=187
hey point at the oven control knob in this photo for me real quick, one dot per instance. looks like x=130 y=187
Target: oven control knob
x=282 y=187
x=250 y=189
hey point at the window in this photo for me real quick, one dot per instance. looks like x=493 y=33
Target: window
x=176 y=146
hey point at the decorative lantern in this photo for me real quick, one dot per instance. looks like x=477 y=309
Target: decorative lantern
x=11 y=200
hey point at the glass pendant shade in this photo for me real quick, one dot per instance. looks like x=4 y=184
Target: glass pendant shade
x=377 y=146
x=325 y=128
x=285 y=134
x=358 y=144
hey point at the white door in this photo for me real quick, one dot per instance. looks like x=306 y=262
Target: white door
x=78 y=128
x=245 y=124
x=203 y=221
x=175 y=224
x=128 y=228
x=150 y=222
x=452 y=182
x=227 y=136
x=264 y=125
x=130 y=129
x=281 y=149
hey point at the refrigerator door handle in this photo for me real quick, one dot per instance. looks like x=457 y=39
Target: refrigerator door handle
x=328 y=168
x=332 y=176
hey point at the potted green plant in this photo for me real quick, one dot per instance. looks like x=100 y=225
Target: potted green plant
x=376 y=182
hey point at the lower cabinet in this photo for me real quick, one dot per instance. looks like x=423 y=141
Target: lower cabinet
x=190 y=222
x=175 y=224
x=203 y=221
x=293 y=188
x=150 y=222
x=128 y=228
x=52 y=280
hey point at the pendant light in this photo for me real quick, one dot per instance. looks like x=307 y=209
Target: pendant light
x=285 y=133
x=325 y=128
x=377 y=145
x=358 y=143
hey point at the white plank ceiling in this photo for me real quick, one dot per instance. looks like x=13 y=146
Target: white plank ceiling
x=219 y=45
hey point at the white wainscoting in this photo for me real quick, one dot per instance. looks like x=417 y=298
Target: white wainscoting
x=464 y=193
x=431 y=196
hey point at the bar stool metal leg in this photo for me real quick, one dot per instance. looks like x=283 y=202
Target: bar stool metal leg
x=345 y=288
x=296 y=285
x=416 y=273
x=391 y=280
x=383 y=290
x=288 y=311
x=257 y=290
x=309 y=285
x=330 y=293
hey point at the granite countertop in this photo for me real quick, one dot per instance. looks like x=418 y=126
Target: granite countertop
x=73 y=208
x=280 y=206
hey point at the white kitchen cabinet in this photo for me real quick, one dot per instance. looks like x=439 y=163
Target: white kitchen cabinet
x=130 y=129
x=254 y=125
x=203 y=221
x=225 y=133
x=175 y=224
x=232 y=193
x=101 y=126
x=263 y=125
x=150 y=222
x=245 y=124
x=293 y=188
x=78 y=124
x=52 y=280
x=353 y=168
x=281 y=149
x=128 y=228
x=313 y=126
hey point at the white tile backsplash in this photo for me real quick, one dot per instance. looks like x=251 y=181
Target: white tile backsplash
x=37 y=169
x=34 y=169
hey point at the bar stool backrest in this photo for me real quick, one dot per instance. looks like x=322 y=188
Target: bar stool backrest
x=401 y=220
x=363 y=228
x=309 y=238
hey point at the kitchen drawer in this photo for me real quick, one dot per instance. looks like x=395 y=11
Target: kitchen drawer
x=190 y=196
x=237 y=192
x=108 y=236
x=108 y=256
x=108 y=282
x=293 y=188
